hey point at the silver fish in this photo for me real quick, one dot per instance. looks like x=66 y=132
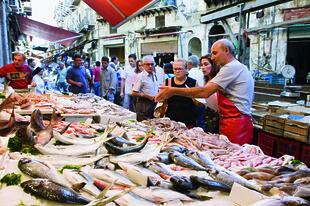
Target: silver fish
x=38 y=169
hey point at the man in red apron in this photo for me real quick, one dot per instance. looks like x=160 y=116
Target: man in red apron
x=235 y=88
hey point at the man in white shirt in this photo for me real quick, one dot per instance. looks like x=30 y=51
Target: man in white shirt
x=145 y=89
x=126 y=84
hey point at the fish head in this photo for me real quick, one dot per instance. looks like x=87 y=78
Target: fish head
x=24 y=160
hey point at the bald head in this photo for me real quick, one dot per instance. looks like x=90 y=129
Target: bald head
x=223 y=52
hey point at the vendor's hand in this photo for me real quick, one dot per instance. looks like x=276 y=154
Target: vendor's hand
x=79 y=84
x=165 y=92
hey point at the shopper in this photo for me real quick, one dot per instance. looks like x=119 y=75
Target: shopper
x=61 y=81
x=181 y=109
x=76 y=76
x=97 y=78
x=145 y=89
x=126 y=86
x=107 y=80
x=17 y=74
x=138 y=70
x=235 y=87
x=37 y=81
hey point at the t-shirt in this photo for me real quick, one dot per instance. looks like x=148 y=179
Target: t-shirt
x=78 y=75
x=146 y=83
x=238 y=85
x=97 y=74
x=20 y=77
x=127 y=74
x=62 y=73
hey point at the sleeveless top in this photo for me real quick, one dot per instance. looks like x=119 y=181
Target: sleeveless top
x=180 y=108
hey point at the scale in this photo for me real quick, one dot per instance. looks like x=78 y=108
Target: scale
x=288 y=72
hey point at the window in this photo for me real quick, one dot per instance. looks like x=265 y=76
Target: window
x=112 y=31
x=160 y=21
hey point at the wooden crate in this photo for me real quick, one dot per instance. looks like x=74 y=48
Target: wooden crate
x=296 y=130
x=274 y=124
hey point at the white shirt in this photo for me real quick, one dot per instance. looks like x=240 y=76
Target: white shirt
x=160 y=73
x=40 y=84
x=146 y=83
x=128 y=74
x=197 y=74
x=238 y=85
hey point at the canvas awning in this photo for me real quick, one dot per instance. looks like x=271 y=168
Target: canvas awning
x=117 y=12
x=47 y=32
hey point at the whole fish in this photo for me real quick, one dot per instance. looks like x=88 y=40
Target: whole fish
x=36 y=121
x=159 y=195
x=71 y=150
x=116 y=150
x=184 y=161
x=50 y=190
x=75 y=178
x=59 y=161
x=8 y=127
x=203 y=159
x=228 y=178
x=182 y=183
x=129 y=199
x=74 y=140
x=164 y=158
x=209 y=184
x=177 y=148
x=110 y=176
x=161 y=169
x=38 y=169
x=121 y=141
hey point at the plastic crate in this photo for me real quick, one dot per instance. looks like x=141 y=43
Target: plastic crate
x=289 y=147
x=305 y=154
x=267 y=143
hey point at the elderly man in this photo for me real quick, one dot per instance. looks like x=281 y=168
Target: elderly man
x=18 y=74
x=145 y=89
x=235 y=87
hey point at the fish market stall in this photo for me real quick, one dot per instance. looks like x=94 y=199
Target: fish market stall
x=154 y=162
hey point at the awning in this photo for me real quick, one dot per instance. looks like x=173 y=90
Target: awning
x=46 y=32
x=117 y=12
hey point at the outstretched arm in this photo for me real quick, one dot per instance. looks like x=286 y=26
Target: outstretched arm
x=194 y=92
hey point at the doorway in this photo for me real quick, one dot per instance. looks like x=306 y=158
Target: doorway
x=299 y=60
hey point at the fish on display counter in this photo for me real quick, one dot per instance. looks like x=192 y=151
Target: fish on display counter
x=50 y=190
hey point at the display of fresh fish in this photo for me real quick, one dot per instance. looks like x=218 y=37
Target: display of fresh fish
x=282 y=201
x=50 y=190
x=184 y=161
x=259 y=176
x=162 y=169
x=75 y=178
x=210 y=184
x=116 y=150
x=164 y=158
x=159 y=195
x=38 y=169
x=111 y=177
x=177 y=148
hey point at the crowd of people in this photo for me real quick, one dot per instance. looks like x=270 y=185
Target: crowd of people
x=224 y=83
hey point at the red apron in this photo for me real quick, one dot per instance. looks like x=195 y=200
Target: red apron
x=236 y=126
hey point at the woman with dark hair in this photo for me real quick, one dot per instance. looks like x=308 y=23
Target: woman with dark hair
x=37 y=80
x=168 y=68
x=209 y=70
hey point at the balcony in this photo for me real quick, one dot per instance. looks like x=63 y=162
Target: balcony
x=86 y=25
